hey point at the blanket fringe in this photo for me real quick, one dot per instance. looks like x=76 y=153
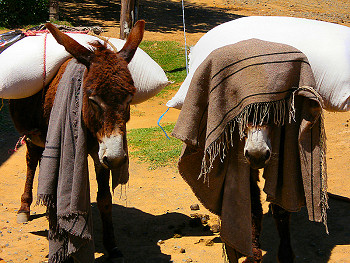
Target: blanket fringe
x=261 y=113
x=324 y=187
x=46 y=200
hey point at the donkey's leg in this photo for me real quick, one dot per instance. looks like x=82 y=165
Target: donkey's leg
x=282 y=217
x=32 y=158
x=232 y=254
x=104 y=204
x=257 y=214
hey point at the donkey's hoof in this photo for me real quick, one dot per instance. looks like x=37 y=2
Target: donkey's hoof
x=23 y=217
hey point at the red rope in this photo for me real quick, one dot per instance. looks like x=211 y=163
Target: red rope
x=44 y=64
x=20 y=141
x=39 y=32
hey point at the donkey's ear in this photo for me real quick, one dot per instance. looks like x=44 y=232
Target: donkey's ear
x=133 y=41
x=81 y=53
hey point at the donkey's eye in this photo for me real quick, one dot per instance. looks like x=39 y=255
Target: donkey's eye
x=127 y=102
x=97 y=103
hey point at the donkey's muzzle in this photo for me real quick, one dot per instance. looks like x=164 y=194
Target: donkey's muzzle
x=257 y=148
x=257 y=159
x=113 y=163
x=111 y=151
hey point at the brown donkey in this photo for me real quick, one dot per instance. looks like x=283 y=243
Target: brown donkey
x=107 y=92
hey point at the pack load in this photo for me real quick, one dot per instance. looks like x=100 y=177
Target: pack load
x=32 y=62
x=326 y=45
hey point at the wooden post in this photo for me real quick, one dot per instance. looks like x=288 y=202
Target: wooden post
x=128 y=16
x=54 y=10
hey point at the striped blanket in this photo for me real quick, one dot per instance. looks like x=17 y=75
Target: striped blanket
x=256 y=81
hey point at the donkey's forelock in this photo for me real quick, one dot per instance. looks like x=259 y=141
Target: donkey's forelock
x=108 y=70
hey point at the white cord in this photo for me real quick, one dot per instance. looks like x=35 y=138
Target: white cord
x=184 y=25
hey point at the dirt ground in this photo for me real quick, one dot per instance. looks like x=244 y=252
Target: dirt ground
x=152 y=214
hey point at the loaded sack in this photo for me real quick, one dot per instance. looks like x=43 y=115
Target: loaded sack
x=326 y=45
x=31 y=63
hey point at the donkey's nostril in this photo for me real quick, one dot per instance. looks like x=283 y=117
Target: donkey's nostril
x=267 y=155
x=246 y=154
x=105 y=160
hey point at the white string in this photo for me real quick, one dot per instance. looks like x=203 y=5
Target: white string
x=184 y=25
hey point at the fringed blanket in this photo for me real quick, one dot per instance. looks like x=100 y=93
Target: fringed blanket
x=263 y=82
x=63 y=177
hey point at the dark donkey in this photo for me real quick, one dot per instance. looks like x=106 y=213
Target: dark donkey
x=107 y=92
x=262 y=92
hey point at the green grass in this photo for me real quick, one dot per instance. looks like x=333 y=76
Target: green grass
x=150 y=145
x=170 y=55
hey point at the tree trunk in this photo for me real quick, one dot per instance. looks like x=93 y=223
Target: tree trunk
x=54 y=10
x=128 y=16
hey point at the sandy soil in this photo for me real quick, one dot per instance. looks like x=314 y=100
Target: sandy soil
x=152 y=214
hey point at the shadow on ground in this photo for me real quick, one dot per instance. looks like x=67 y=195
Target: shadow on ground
x=138 y=233
x=8 y=134
x=160 y=15
x=309 y=239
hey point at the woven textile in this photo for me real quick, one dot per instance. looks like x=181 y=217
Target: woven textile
x=260 y=82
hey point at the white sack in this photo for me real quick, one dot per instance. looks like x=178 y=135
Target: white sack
x=22 y=67
x=326 y=45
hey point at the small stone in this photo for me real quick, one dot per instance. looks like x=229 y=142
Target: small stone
x=194 y=207
x=209 y=243
x=160 y=242
x=205 y=219
x=177 y=236
x=215 y=228
x=200 y=241
x=182 y=250
x=189 y=260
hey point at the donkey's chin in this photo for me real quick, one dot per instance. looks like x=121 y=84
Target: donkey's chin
x=113 y=163
x=254 y=164
x=257 y=166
